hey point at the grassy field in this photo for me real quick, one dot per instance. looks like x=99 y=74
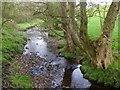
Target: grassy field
x=94 y=28
x=24 y=26
x=94 y=31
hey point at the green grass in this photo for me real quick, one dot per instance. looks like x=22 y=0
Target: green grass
x=16 y=67
x=94 y=28
x=21 y=81
x=94 y=24
x=24 y=26
x=12 y=44
x=94 y=31
x=109 y=76
x=57 y=36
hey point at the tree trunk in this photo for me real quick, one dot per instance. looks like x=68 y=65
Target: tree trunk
x=3 y=12
x=87 y=44
x=70 y=45
x=101 y=54
x=104 y=43
x=100 y=16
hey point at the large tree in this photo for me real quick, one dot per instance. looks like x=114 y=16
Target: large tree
x=100 y=52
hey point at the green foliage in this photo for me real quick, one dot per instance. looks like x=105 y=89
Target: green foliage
x=114 y=45
x=67 y=54
x=16 y=67
x=77 y=51
x=19 y=12
x=61 y=45
x=13 y=43
x=21 y=81
x=24 y=26
x=109 y=76
x=58 y=37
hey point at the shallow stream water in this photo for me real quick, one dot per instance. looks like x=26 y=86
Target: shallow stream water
x=68 y=75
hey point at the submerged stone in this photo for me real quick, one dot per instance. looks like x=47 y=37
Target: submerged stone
x=34 y=72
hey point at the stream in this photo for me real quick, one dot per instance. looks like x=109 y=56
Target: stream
x=63 y=73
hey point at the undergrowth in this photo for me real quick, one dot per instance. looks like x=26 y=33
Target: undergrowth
x=12 y=44
x=109 y=76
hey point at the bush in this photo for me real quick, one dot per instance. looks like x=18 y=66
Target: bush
x=68 y=54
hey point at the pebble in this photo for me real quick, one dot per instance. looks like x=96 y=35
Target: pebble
x=34 y=72
x=37 y=66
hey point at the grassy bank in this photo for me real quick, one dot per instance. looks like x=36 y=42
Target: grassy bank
x=109 y=76
x=24 y=26
x=12 y=45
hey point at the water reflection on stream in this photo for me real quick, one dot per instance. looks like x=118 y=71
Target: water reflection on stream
x=69 y=75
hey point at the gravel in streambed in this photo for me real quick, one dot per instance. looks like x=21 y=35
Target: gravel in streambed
x=31 y=62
